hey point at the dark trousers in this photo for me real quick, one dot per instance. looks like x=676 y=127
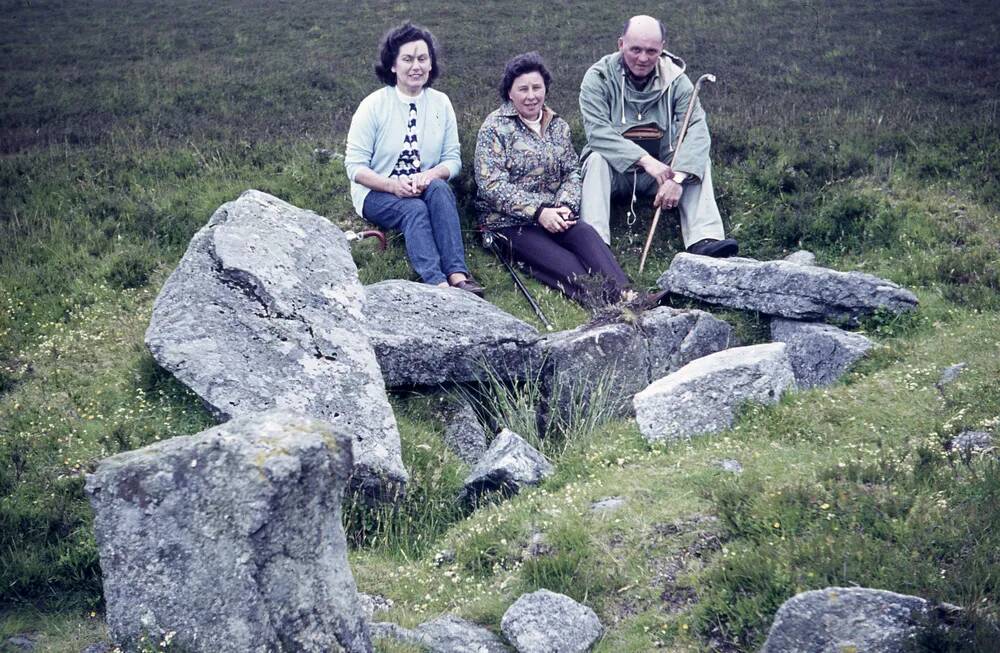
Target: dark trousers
x=576 y=261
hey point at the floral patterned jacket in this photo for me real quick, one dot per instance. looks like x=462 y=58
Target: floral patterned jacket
x=518 y=172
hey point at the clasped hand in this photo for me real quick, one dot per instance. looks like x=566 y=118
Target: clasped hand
x=410 y=185
x=556 y=219
x=669 y=192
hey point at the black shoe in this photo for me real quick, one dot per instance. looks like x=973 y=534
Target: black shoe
x=715 y=248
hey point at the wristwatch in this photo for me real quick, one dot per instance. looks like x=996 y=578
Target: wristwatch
x=679 y=177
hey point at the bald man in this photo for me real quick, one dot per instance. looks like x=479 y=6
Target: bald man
x=633 y=103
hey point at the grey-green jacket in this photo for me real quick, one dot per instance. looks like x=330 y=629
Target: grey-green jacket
x=610 y=106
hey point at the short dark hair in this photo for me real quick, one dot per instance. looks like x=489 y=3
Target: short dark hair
x=663 y=28
x=529 y=62
x=396 y=38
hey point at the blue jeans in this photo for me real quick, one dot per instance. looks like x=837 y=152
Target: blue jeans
x=430 y=226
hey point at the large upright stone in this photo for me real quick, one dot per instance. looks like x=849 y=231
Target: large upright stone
x=231 y=539
x=265 y=311
x=801 y=292
x=820 y=353
x=839 y=619
x=675 y=337
x=592 y=368
x=600 y=367
x=425 y=335
x=702 y=396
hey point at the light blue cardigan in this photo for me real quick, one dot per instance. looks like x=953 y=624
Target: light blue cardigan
x=376 y=136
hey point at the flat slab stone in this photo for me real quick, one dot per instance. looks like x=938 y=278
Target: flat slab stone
x=508 y=465
x=231 y=539
x=839 y=619
x=547 y=622
x=265 y=311
x=820 y=353
x=425 y=335
x=702 y=396
x=801 y=292
x=445 y=634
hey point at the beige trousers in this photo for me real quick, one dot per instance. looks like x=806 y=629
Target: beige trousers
x=699 y=214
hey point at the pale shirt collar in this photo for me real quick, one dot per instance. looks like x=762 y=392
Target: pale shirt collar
x=406 y=98
x=534 y=125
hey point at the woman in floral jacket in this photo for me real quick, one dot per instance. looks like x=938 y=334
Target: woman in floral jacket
x=528 y=176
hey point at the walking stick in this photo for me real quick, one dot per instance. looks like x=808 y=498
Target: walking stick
x=371 y=233
x=490 y=243
x=680 y=139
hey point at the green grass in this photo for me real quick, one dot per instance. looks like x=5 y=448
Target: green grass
x=867 y=134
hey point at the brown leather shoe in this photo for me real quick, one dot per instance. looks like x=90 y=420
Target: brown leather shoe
x=471 y=285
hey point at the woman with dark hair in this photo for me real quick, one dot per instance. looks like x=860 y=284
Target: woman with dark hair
x=528 y=176
x=402 y=148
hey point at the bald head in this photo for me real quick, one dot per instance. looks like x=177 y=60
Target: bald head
x=645 y=27
x=641 y=43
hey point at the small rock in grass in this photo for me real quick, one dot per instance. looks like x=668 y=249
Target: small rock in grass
x=508 y=465
x=950 y=374
x=22 y=642
x=730 y=465
x=846 y=619
x=547 y=622
x=372 y=603
x=969 y=442
x=607 y=504
x=802 y=257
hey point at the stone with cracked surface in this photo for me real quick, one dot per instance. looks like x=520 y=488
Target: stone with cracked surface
x=592 y=365
x=265 y=310
x=675 y=337
x=508 y=465
x=800 y=292
x=463 y=433
x=230 y=538
x=610 y=362
x=839 y=619
x=425 y=335
x=702 y=396
x=548 y=622
x=820 y=353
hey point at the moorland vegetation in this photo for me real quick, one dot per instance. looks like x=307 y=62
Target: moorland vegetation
x=867 y=133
